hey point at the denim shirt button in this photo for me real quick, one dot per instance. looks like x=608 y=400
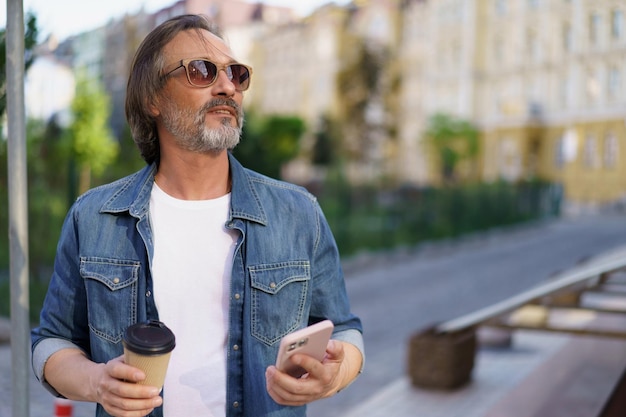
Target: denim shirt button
x=148 y=293
x=116 y=280
x=272 y=285
x=237 y=296
x=235 y=347
x=236 y=404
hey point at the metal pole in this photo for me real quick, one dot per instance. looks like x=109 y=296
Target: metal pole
x=18 y=207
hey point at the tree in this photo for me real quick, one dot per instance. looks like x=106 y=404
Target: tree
x=453 y=140
x=30 y=40
x=47 y=184
x=326 y=150
x=268 y=143
x=93 y=145
x=358 y=83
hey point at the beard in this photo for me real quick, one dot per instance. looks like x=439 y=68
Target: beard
x=190 y=130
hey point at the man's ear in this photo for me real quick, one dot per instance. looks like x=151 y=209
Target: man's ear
x=153 y=106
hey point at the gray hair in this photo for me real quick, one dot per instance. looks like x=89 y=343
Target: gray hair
x=146 y=81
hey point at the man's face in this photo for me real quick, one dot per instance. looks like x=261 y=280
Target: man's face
x=199 y=119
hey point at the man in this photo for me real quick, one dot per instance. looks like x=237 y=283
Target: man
x=230 y=260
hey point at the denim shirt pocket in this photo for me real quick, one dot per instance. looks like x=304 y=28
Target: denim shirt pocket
x=111 y=286
x=278 y=298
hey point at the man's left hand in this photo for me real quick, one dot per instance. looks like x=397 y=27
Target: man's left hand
x=323 y=379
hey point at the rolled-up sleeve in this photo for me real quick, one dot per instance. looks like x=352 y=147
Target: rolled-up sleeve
x=42 y=352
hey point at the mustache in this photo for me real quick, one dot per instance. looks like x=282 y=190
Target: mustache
x=220 y=101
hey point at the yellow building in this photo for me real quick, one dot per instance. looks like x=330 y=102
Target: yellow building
x=544 y=80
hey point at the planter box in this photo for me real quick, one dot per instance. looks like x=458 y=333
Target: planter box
x=442 y=361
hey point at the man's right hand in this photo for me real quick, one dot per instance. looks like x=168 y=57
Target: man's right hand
x=117 y=390
x=113 y=385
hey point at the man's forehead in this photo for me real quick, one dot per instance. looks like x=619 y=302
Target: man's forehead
x=198 y=44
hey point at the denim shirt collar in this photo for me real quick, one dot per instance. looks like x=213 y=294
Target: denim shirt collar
x=134 y=195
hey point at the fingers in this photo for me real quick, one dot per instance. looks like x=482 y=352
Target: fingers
x=130 y=408
x=119 y=393
x=320 y=381
x=334 y=350
x=287 y=390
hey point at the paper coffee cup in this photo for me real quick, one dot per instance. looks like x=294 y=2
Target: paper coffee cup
x=148 y=346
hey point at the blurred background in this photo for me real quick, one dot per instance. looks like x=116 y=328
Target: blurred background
x=412 y=121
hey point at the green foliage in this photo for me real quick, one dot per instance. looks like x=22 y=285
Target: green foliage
x=47 y=202
x=267 y=143
x=359 y=85
x=454 y=140
x=30 y=41
x=368 y=218
x=358 y=79
x=129 y=160
x=326 y=149
x=46 y=158
x=93 y=144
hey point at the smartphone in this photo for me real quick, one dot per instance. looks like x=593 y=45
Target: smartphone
x=311 y=341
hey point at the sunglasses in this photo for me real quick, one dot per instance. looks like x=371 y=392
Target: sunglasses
x=203 y=73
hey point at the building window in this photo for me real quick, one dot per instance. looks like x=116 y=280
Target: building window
x=590 y=152
x=563 y=93
x=533 y=45
x=501 y=7
x=614 y=82
x=509 y=160
x=498 y=51
x=611 y=150
x=595 y=23
x=456 y=53
x=593 y=85
x=617 y=24
x=568 y=37
x=559 y=152
x=568 y=147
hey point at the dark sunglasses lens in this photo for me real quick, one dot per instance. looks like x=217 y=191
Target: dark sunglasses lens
x=241 y=77
x=201 y=73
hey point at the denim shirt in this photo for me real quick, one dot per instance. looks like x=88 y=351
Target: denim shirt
x=286 y=274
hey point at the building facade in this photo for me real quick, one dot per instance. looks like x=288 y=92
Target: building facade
x=544 y=80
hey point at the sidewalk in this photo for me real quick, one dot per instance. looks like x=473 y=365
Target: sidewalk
x=496 y=372
x=540 y=375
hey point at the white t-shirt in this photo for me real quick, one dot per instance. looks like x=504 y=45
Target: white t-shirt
x=191 y=272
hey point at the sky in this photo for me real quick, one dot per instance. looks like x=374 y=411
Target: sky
x=70 y=17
